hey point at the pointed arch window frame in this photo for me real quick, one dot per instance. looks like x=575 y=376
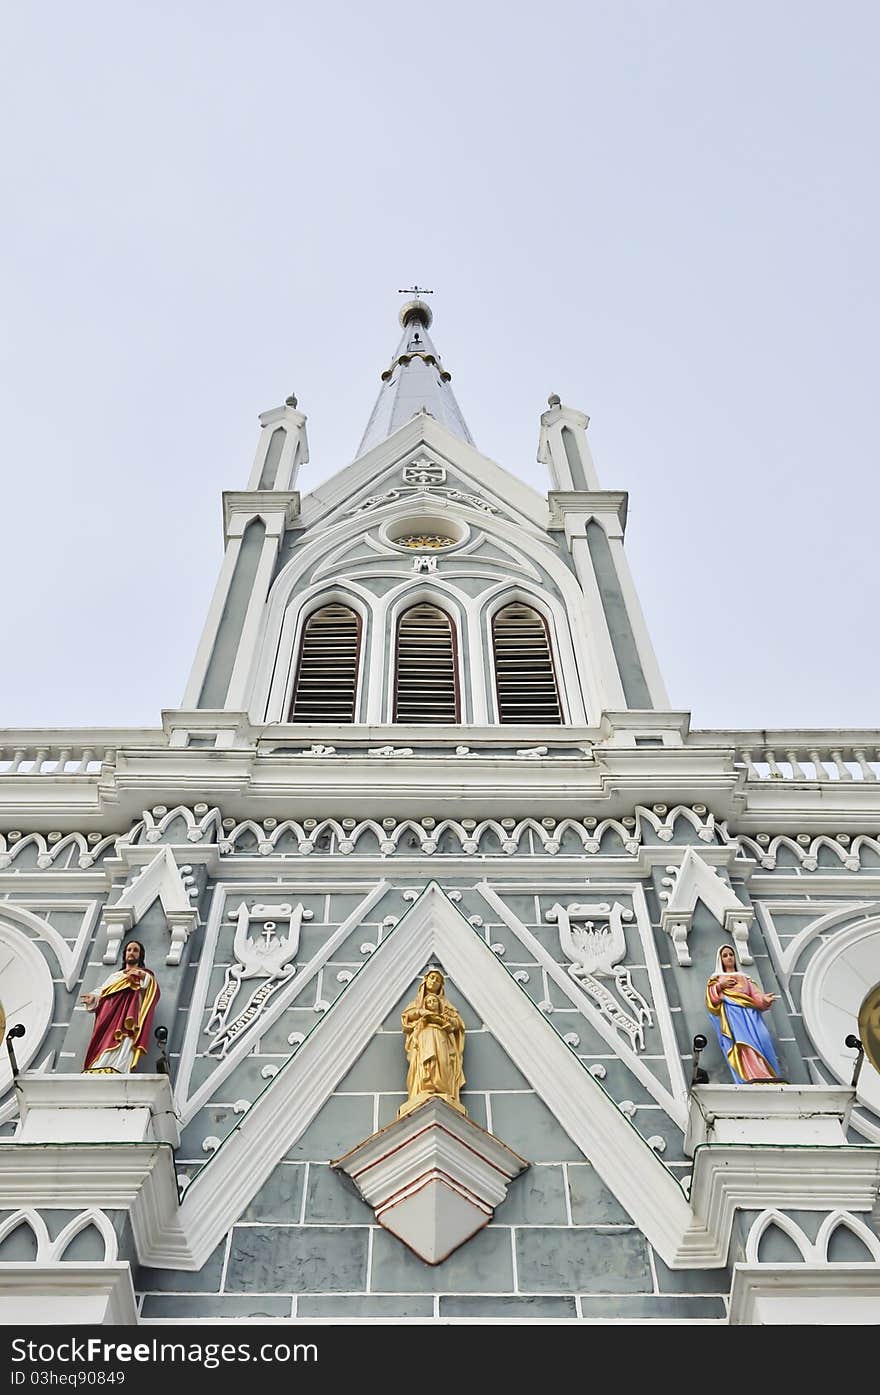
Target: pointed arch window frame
x=323 y=596
x=426 y=595
x=520 y=595
x=290 y=591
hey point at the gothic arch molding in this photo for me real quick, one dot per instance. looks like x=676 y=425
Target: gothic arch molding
x=297 y=613
x=389 y=610
x=28 y=992
x=835 y=982
x=274 y=656
x=561 y=645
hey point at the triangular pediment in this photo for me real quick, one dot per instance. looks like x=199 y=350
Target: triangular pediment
x=692 y=881
x=433 y=930
x=160 y=880
x=381 y=470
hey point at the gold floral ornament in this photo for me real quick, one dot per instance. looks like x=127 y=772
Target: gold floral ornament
x=433 y=1035
x=425 y=540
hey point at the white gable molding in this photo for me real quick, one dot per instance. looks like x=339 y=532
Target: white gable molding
x=514 y=558
x=470 y=548
x=695 y=880
x=425 y=435
x=432 y=930
x=160 y=878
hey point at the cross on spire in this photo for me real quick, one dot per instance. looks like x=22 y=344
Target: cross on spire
x=417 y=290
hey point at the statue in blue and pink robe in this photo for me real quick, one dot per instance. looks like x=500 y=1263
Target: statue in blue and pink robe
x=737 y=1006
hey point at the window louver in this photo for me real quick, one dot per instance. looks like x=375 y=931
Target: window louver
x=326 y=678
x=426 y=690
x=524 y=677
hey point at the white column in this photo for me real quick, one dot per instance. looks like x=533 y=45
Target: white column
x=212 y=624
x=641 y=634
x=296 y=446
x=239 y=683
x=552 y=452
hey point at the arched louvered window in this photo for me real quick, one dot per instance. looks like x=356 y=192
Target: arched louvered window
x=525 y=680
x=326 y=677
x=426 y=689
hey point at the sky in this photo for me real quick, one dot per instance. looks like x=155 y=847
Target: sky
x=666 y=212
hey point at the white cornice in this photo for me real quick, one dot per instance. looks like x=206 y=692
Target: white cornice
x=594 y=503
x=241 y=505
x=249 y=772
x=135 y=1177
x=805 y=1294
x=67 y=1294
x=89 y=1108
x=538 y=868
x=756 y=1176
x=768 y=1115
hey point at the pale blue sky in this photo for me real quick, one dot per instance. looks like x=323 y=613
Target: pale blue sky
x=665 y=212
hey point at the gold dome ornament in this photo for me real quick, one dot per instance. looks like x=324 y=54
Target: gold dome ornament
x=425 y=540
x=869 y=1025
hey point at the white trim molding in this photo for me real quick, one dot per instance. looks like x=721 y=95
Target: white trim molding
x=66 y=1295
x=693 y=880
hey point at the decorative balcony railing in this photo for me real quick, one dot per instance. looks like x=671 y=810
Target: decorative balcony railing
x=825 y=757
x=67 y=753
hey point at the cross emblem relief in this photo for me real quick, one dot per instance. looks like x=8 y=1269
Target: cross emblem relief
x=424 y=472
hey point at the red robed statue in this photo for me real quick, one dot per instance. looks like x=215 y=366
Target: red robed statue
x=123 y=1006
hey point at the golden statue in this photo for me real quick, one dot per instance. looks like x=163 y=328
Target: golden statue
x=869 y=1025
x=433 y=1035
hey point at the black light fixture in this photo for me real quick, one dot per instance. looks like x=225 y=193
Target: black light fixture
x=698 y=1075
x=162 y=1066
x=17 y=1031
x=854 y=1044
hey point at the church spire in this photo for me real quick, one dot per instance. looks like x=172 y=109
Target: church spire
x=415 y=380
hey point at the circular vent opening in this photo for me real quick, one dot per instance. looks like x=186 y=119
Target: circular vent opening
x=426 y=533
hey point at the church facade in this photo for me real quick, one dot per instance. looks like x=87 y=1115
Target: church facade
x=425 y=764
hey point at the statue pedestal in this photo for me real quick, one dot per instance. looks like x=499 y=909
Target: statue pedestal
x=88 y=1144
x=768 y=1114
x=433 y=1177
x=96 y=1109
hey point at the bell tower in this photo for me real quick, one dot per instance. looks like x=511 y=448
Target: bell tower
x=423 y=584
